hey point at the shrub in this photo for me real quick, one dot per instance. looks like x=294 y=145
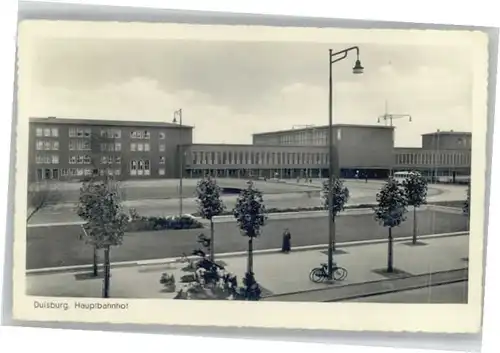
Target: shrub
x=141 y=223
x=168 y=282
x=210 y=280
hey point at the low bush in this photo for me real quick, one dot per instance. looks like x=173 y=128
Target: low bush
x=139 y=223
x=299 y=209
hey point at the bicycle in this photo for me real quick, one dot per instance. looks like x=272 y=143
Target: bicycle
x=320 y=274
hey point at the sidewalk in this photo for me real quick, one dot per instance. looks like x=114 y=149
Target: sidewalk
x=277 y=273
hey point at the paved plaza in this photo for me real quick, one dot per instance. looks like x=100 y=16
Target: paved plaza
x=284 y=277
x=278 y=195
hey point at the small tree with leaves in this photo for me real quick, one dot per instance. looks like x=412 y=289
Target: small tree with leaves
x=105 y=222
x=390 y=212
x=209 y=205
x=339 y=198
x=41 y=195
x=250 y=215
x=415 y=188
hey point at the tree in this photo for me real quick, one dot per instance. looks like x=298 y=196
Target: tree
x=40 y=195
x=390 y=212
x=340 y=196
x=415 y=188
x=209 y=205
x=105 y=222
x=250 y=214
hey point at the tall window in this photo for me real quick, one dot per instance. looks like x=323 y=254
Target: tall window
x=162 y=147
x=39 y=132
x=133 y=167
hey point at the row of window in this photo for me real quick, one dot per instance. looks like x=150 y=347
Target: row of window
x=111 y=133
x=47 y=132
x=432 y=158
x=250 y=157
x=87 y=132
x=47 y=145
x=54 y=173
x=140 y=167
x=85 y=145
x=111 y=147
x=79 y=132
x=47 y=159
x=139 y=147
x=111 y=159
x=83 y=159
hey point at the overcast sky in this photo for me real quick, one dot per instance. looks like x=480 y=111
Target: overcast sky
x=229 y=90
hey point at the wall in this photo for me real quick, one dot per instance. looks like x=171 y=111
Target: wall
x=364 y=147
x=446 y=140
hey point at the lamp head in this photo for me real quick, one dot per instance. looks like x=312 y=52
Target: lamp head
x=175 y=120
x=410 y=118
x=357 y=69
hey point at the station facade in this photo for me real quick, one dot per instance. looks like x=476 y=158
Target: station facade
x=72 y=149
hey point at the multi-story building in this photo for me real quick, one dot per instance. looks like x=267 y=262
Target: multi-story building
x=361 y=149
x=443 y=154
x=66 y=149
x=72 y=149
x=256 y=161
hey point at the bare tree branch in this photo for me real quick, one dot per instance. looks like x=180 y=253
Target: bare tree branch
x=41 y=195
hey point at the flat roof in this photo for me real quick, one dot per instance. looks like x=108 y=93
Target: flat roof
x=324 y=127
x=450 y=132
x=256 y=146
x=106 y=122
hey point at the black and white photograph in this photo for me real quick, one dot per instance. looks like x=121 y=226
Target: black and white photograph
x=212 y=163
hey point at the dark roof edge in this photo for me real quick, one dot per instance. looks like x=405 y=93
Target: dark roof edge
x=106 y=122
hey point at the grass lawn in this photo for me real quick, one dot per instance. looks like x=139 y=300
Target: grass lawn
x=60 y=245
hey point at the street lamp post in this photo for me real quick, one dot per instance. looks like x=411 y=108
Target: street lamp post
x=178 y=114
x=390 y=117
x=334 y=168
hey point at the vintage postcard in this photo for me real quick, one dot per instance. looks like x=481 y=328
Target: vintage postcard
x=308 y=178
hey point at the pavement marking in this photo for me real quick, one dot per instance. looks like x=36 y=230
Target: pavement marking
x=165 y=261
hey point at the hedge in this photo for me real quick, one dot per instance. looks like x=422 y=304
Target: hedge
x=138 y=224
x=321 y=208
x=296 y=209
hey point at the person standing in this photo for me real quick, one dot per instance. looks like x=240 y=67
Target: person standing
x=287 y=237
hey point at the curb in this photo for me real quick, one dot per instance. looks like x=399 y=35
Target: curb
x=164 y=261
x=391 y=291
x=380 y=292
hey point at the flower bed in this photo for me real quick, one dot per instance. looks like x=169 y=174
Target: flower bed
x=141 y=223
